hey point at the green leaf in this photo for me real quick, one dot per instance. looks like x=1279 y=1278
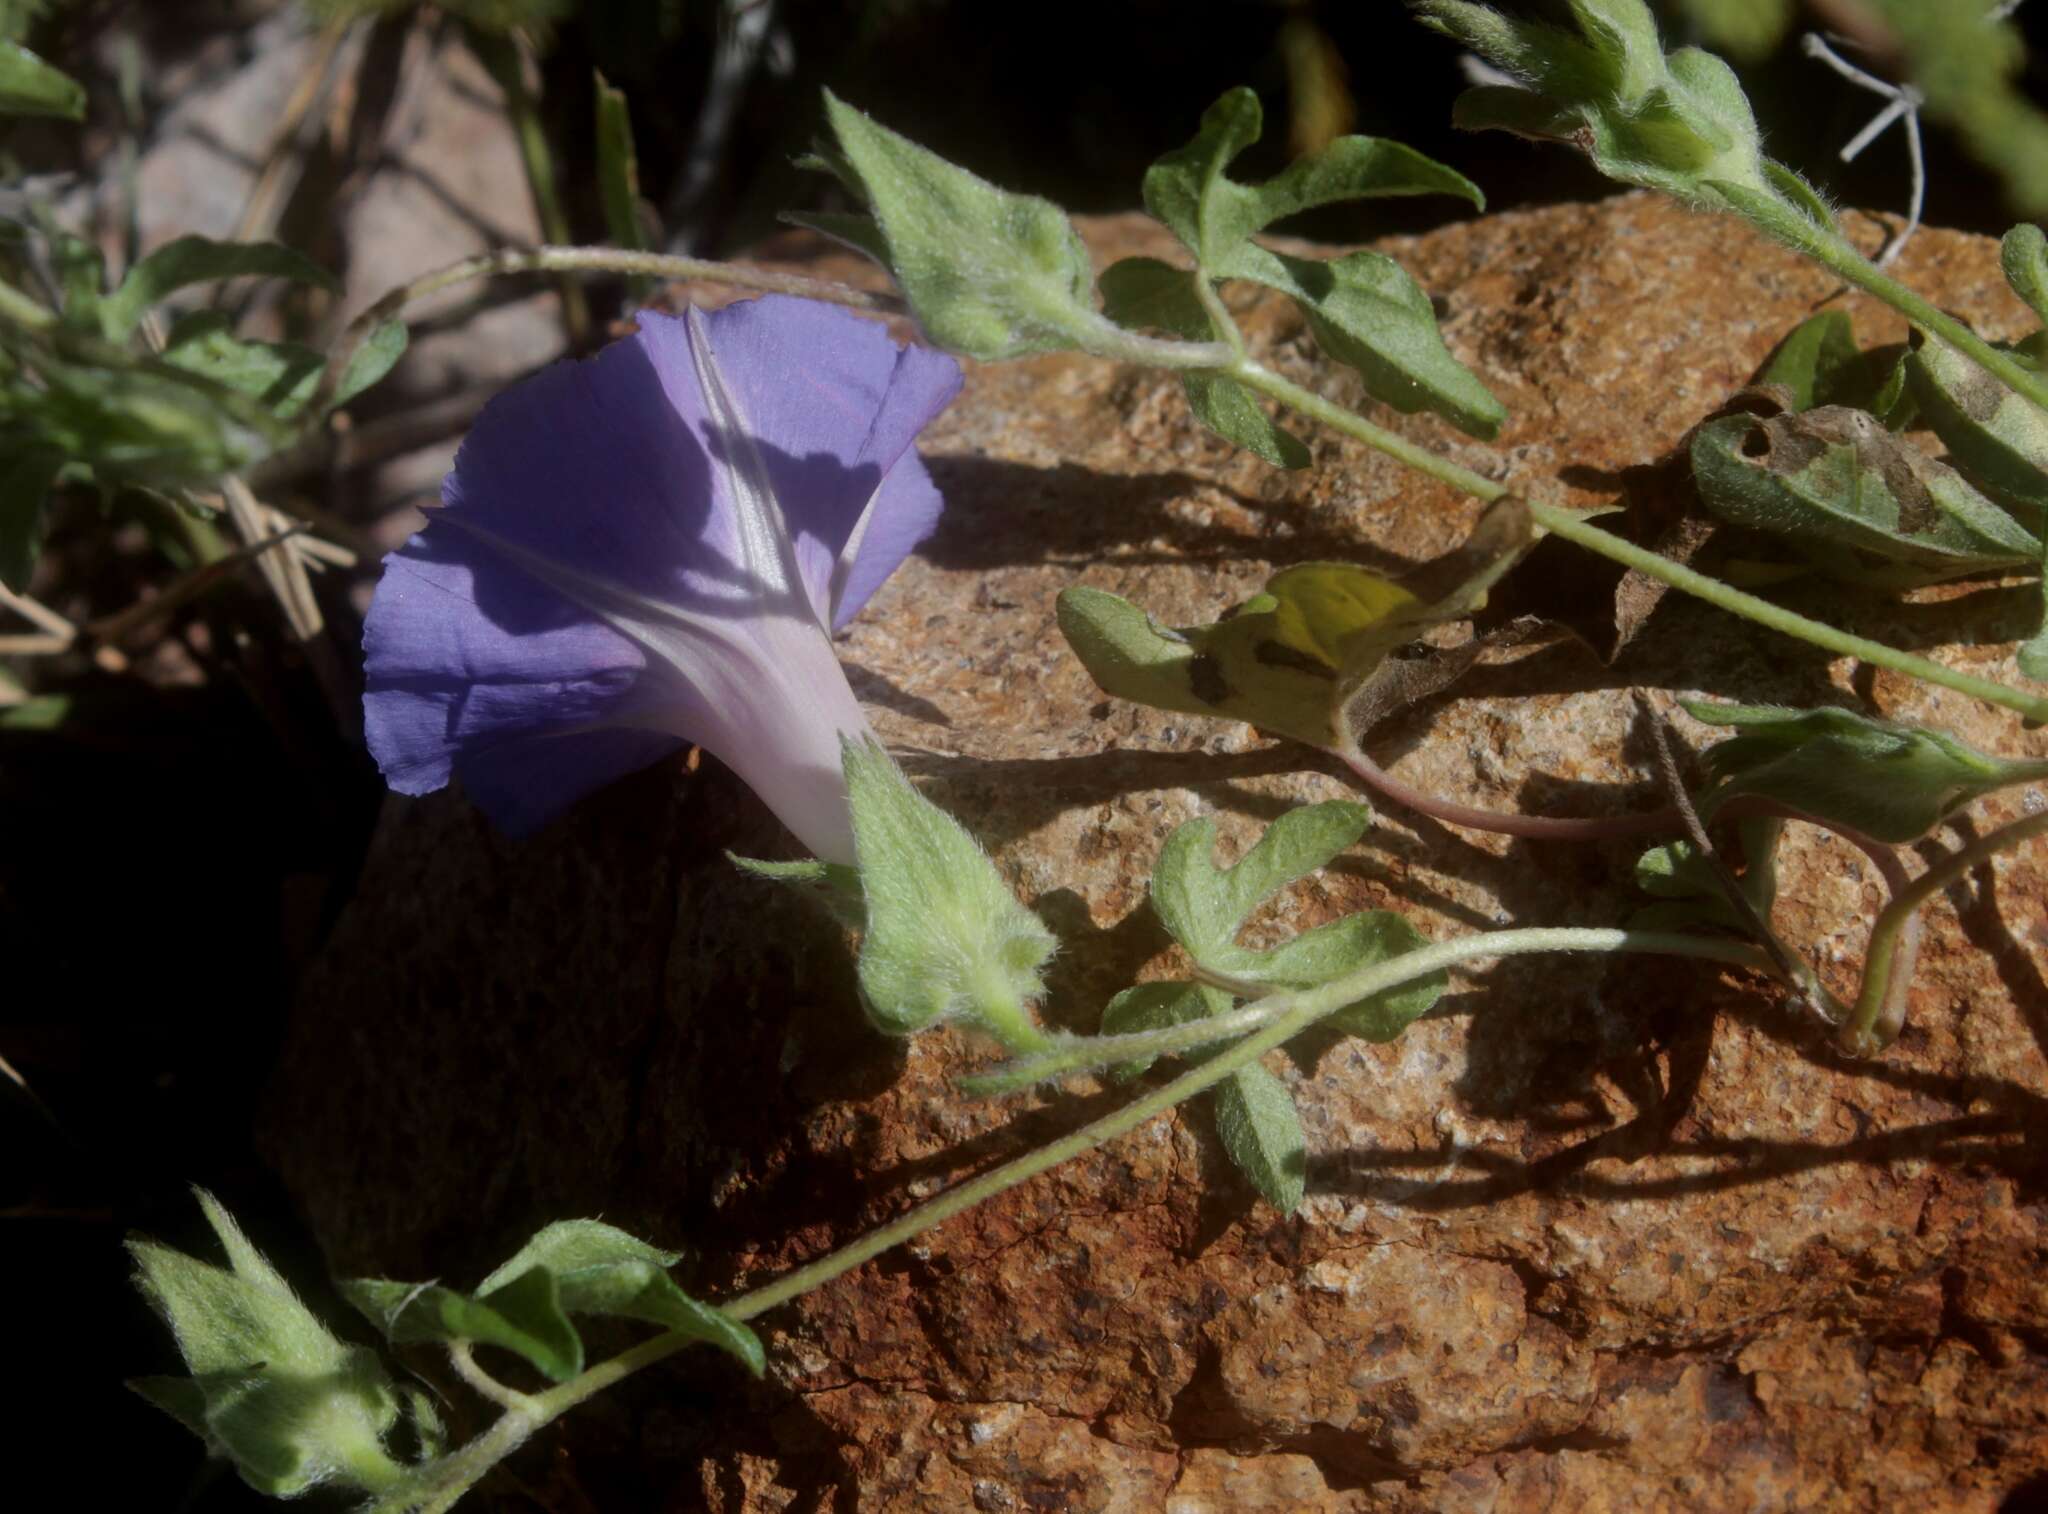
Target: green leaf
x=987 y=273
x=1859 y=502
x=1204 y=906
x=1159 y=1006
x=945 y=936
x=30 y=87
x=1808 y=361
x=569 y=1246
x=1214 y=216
x=1364 y=309
x=26 y=479
x=1144 y=292
x=2023 y=254
x=600 y=1269
x=1294 y=659
x=1367 y=313
x=1819 y=364
x=860 y=233
x=1889 y=780
x=1998 y=438
x=618 y=169
x=46 y=712
x=1690 y=883
x=283 y=375
x=1260 y=1128
x=200 y=260
x=524 y=1316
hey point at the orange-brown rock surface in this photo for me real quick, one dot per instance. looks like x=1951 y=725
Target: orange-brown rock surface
x=1591 y=1237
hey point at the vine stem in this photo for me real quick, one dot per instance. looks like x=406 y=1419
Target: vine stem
x=1574 y=528
x=1839 y=257
x=1658 y=822
x=1879 y=1010
x=436 y=1487
x=555 y=259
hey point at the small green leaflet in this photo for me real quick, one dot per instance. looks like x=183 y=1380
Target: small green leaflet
x=571 y=1267
x=1820 y=364
x=525 y=1317
x=1688 y=886
x=1261 y=1129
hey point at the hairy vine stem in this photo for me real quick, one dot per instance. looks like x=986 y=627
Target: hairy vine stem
x=1275 y=1020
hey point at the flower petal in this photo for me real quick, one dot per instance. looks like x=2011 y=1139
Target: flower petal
x=627 y=558
x=536 y=685
x=833 y=405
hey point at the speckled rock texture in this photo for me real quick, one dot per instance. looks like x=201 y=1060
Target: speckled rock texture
x=1592 y=1237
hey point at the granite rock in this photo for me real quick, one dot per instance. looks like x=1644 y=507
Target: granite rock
x=1601 y=1236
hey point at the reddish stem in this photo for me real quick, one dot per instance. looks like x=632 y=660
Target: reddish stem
x=1658 y=822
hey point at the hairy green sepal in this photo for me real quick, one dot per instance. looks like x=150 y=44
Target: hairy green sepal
x=945 y=937
x=988 y=273
x=1676 y=122
x=271 y=1389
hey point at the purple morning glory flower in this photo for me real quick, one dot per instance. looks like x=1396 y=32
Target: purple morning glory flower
x=654 y=547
